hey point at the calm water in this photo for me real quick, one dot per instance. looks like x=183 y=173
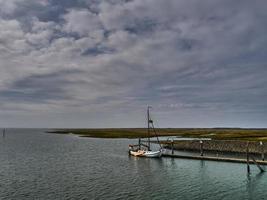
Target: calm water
x=37 y=165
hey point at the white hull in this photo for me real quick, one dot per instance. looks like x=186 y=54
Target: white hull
x=149 y=154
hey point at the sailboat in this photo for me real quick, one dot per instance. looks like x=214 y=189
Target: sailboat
x=144 y=149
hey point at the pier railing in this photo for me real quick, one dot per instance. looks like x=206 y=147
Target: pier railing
x=231 y=146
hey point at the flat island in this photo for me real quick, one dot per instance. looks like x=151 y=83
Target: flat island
x=213 y=133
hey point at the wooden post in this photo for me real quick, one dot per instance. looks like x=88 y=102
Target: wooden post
x=257 y=164
x=247 y=152
x=172 y=147
x=139 y=143
x=201 y=148
x=262 y=150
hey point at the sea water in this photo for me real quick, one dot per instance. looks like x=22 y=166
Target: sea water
x=39 y=165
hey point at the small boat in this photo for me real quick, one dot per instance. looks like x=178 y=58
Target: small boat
x=144 y=153
x=144 y=149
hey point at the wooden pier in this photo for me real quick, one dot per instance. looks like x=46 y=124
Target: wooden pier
x=211 y=158
x=199 y=145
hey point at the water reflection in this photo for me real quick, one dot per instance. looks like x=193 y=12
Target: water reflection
x=253 y=182
x=202 y=164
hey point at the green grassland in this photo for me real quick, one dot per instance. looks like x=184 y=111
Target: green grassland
x=214 y=133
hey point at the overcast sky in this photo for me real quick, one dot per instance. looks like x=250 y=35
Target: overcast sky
x=99 y=63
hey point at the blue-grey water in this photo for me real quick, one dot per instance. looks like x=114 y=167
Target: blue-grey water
x=38 y=165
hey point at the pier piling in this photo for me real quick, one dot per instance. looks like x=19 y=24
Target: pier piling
x=172 y=147
x=257 y=164
x=201 y=147
x=247 y=153
x=262 y=151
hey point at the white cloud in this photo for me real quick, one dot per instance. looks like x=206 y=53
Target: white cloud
x=41 y=33
x=82 y=22
x=8 y=7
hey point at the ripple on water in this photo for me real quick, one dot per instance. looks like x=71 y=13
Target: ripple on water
x=36 y=165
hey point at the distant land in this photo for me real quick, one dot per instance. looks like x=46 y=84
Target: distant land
x=220 y=133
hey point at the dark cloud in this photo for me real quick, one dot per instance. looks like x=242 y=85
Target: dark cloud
x=40 y=88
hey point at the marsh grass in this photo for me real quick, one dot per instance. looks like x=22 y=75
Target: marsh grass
x=213 y=133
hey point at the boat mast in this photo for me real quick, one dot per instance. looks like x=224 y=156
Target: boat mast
x=148 y=127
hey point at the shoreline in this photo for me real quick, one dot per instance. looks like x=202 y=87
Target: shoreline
x=212 y=133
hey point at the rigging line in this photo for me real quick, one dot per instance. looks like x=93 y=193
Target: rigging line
x=156 y=135
x=154 y=130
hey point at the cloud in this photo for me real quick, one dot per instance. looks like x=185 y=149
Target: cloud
x=82 y=22
x=22 y=8
x=99 y=59
x=8 y=7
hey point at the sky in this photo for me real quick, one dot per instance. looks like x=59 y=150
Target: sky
x=100 y=63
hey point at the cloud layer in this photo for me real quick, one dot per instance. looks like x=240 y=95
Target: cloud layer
x=99 y=63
